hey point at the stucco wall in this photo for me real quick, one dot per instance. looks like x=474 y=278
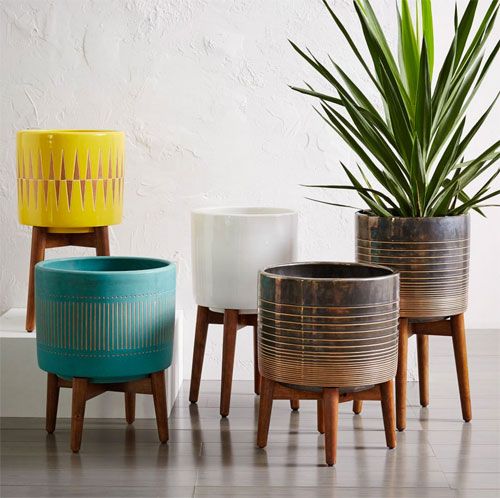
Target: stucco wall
x=200 y=87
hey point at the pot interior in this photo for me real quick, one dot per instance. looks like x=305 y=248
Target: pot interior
x=329 y=271
x=104 y=264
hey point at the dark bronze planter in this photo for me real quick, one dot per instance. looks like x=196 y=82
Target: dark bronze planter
x=328 y=324
x=431 y=255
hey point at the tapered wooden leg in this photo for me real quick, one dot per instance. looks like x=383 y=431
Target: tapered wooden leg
x=387 y=402
x=265 y=409
x=52 y=402
x=256 y=374
x=460 y=351
x=321 y=417
x=200 y=341
x=331 y=411
x=401 y=374
x=38 y=243
x=160 y=402
x=357 y=406
x=228 y=350
x=294 y=404
x=423 y=368
x=79 y=397
x=102 y=241
x=130 y=407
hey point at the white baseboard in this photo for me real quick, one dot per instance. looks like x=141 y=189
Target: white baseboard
x=23 y=384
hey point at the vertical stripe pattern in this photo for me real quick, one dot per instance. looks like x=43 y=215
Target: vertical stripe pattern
x=100 y=326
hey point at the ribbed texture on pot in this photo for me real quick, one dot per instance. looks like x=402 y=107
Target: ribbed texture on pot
x=338 y=332
x=431 y=255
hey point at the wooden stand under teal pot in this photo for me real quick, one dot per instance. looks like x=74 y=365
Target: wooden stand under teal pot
x=83 y=390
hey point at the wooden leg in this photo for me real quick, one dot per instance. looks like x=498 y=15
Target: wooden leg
x=265 y=409
x=357 y=406
x=200 y=340
x=52 y=402
x=228 y=350
x=331 y=410
x=321 y=417
x=38 y=243
x=401 y=374
x=130 y=407
x=102 y=241
x=387 y=402
x=160 y=402
x=256 y=374
x=79 y=397
x=460 y=351
x=294 y=404
x=423 y=368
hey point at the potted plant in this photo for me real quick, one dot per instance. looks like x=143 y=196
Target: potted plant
x=412 y=173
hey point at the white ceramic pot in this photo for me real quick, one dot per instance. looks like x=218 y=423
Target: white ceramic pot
x=229 y=247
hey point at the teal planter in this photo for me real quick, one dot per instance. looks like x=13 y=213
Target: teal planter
x=108 y=319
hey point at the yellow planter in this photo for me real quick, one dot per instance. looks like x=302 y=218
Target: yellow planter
x=70 y=180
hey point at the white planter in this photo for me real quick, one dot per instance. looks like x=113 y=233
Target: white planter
x=229 y=247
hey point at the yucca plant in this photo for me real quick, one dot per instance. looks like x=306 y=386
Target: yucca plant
x=412 y=152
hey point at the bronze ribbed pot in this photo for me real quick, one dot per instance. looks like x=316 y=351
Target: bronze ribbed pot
x=328 y=324
x=430 y=254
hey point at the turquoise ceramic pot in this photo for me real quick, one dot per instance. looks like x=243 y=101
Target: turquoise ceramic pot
x=108 y=319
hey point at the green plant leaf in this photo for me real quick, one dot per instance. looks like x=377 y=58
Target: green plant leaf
x=318 y=95
x=464 y=27
x=351 y=43
x=428 y=32
x=423 y=107
x=445 y=165
x=413 y=152
x=379 y=50
x=332 y=203
x=473 y=202
x=360 y=188
x=410 y=52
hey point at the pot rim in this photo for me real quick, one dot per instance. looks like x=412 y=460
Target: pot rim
x=69 y=132
x=364 y=212
x=50 y=265
x=390 y=272
x=244 y=211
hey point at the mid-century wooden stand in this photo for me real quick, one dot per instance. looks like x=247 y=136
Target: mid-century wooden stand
x=83 y=390
x=42 y=238
x=232 y=321
x=451 y=327
x=328 y=400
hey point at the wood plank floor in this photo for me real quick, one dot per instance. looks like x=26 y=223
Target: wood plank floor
x=438 y=456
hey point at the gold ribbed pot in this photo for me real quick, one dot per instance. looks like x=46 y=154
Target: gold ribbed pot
x=430 y=254
x=328 y=324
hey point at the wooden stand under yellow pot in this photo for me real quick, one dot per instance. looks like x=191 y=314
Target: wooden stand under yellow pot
x=70 y=189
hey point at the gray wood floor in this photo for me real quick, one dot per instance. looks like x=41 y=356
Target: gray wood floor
x=438 y=456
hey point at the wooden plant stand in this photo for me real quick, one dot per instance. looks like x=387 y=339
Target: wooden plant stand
x=328 y=399
x=232 y=321
x=451 y=327
x=83 y=390
x=42 y=238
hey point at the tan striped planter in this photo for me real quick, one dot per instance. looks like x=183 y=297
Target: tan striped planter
x=431 y=255
x=328 y=324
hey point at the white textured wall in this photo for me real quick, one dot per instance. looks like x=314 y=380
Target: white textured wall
x=200 y=87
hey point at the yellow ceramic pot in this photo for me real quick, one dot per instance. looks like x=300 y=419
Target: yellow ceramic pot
x=70 y=180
